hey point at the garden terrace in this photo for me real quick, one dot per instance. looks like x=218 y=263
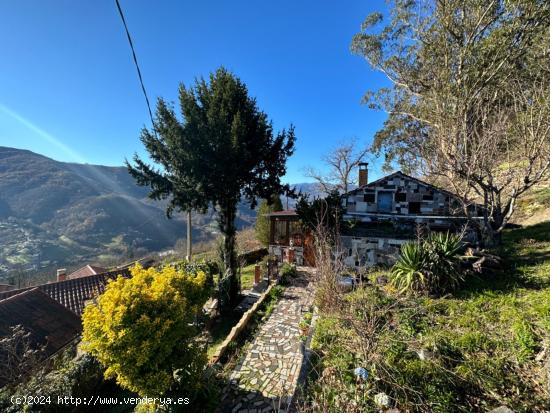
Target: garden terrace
x=483 y=346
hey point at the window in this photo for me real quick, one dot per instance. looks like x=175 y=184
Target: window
x=400 y=197
x=368 y=198
x=296 y=233
x=385 y=201
x=414 y=207
x=281 y=236
x=428 y=197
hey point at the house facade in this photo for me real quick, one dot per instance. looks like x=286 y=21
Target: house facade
x=380 y=216
x=377 y=219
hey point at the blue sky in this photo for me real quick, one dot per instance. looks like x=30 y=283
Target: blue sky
x=69 y=90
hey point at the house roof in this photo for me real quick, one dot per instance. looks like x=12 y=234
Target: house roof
x=47 y=321
x=6 y=287
x=285 y=213
x=399 y=173
x=74 y=293
x=145 y=262
x=85 y=271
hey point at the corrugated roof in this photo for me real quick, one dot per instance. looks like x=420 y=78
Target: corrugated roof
x=48 y=321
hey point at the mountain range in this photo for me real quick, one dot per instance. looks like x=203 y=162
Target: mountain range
x=64 y=214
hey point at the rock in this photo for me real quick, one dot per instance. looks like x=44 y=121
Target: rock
x=501 y=409
x=345 y=283
x=382 y=399
x=424 y=354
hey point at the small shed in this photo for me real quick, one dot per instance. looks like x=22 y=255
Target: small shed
x=289 y=240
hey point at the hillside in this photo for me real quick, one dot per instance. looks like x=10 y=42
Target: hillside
x=55 y=213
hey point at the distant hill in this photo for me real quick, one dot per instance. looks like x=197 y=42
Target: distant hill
x=57 y=213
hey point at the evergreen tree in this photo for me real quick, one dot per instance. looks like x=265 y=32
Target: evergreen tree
x=224 y=149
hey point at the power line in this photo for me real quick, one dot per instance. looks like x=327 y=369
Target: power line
x=135 y=61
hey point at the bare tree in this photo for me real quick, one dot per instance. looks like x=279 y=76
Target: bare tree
x=504 y=153
x=18 y=356
x=469 y=101
x=342 y=162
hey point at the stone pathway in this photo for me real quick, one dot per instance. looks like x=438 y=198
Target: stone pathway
x=265 y=378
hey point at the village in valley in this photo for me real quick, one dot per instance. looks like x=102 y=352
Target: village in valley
x=246 y=259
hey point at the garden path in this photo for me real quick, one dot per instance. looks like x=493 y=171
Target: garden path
x=265 y=378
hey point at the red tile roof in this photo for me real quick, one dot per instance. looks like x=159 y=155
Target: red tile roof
x=86 y=270
x=47 y=321
x=74 y=293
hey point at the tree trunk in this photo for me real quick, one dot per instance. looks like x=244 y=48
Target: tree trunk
x=189 y=237
x=226 y=223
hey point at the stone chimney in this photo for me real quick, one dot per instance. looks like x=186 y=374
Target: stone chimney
x=61 y=274
x=363 y=174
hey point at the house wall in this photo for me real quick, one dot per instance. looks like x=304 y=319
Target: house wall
x=375 y=234
x=407 y=194
x=281 y=252
x=370 y=251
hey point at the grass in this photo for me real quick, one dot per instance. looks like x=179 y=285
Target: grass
x=220 y=330
x=534 y=205
x=238 y=348
x=482 y=341
x=247 y=277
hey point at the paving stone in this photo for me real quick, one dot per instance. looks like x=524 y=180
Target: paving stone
x=266 y=375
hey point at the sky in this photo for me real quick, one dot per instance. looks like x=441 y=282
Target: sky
x=69 y=88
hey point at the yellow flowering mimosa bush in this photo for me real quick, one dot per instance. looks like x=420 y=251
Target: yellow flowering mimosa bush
x=141 y=329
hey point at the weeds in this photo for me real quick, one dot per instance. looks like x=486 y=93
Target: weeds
x=472 y=351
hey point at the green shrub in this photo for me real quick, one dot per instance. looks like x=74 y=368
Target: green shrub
x=287 y=272
x=431 y=266
x=410 y=272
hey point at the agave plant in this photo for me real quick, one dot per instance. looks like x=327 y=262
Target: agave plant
x=444 y=258
x=432 y=265
x=410 y=272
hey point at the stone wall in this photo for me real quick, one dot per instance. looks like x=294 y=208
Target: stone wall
x=281 y=252
x=408 y=196
x=370 y=251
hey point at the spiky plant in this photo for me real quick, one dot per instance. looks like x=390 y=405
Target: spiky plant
x=431 y=265
x=410 y=272
x=443 y=250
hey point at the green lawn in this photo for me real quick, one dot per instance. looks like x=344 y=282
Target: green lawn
x=223 y=326
x=468 y=352
x=247 y=277
x=220 y=330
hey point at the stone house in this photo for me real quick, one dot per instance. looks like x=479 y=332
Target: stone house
x=380 y=216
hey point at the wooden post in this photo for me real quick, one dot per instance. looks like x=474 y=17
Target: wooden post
x=291 y=255
x=257 y=275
